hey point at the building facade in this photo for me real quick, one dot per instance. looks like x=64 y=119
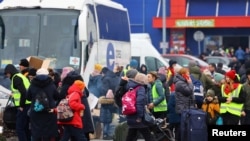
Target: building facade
x=200 y=25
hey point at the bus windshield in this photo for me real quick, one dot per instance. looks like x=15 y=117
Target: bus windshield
x=46 y=33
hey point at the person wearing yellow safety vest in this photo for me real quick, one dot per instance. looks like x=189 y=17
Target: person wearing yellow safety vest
x=157 y=99
x=19 y=86
x=231 y=99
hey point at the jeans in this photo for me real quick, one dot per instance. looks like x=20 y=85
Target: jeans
x=77 y=133
x=106 y=127
x=22 y=125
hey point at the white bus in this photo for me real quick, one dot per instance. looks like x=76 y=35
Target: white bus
x=76 y=33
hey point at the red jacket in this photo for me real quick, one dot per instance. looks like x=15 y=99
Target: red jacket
x=75 y=94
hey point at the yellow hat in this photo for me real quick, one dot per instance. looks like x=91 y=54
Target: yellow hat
x=98 y=67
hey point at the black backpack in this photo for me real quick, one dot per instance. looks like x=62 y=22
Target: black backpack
x=120 y=91
x=41 y=101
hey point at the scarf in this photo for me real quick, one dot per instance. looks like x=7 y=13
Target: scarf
x=228 y=90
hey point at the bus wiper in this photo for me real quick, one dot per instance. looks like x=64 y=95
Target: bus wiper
x=75 y=34
x=2 y=26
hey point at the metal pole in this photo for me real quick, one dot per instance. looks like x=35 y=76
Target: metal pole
x=164 y=35
x=199 y=47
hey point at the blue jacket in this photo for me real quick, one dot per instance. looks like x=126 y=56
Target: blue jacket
x=95 y=85
x=141 y=100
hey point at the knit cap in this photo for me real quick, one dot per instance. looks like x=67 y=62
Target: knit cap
x=42 y=71
x=80 y=84
x=231 y=74
x=141 y=78
x=98 y=67
x=133 y=64
x=218 y=77
x=210 y=92
x=131 y=73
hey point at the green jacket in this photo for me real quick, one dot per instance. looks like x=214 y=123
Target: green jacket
x=206 y=81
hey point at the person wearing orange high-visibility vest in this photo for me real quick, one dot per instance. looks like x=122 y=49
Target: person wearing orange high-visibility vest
x=231 y=99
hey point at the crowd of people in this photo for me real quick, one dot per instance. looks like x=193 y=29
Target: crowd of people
x=166 y=92
x=36 y=122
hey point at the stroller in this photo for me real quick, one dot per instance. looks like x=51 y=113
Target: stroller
x=160 y=132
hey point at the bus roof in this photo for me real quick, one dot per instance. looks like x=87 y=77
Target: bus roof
x=60 y=4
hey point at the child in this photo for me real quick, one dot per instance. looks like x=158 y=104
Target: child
x=211 y=106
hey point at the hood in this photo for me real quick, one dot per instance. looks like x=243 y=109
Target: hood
x=132 y=84
x=42 y=81
x=10 y=69
x=71 y=77
x=74 y=88
x=195 y=70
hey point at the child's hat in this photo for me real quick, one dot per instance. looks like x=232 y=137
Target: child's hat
x=210 y=92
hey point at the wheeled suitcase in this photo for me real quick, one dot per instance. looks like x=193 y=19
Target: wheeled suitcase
x=121 y=131
x=193 y=125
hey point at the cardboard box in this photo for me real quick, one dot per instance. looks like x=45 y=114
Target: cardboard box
x=37 y=63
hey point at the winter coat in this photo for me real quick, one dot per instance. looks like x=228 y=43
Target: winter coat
x=95 y=85
x=184 y=96
x=67 y=82
x=87 y=117
x=206 y=81
x=173 y=117
x=75 y=95
x=43 y=124
x=212 y=109
x=109 y=81
x=141 y=100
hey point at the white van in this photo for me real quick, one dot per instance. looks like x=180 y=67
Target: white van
x=145 y=53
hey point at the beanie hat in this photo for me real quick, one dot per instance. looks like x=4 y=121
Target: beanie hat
x=32 y=72
x=24 y=62
x=218 y=77
x=210 y=92
x=80 y=84
x=42 y=71
x=131 y=73
x=231 y=74
x=133 y=64
x=141 y=79
x=98 y=67
x=171 y=63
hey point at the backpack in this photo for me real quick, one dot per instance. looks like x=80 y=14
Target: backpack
x=41 y=101
x=198 y=91
x=64 y=112
x=120 y=91
x=129 y=101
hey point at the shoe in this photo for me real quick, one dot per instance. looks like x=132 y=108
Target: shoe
x=107 y=137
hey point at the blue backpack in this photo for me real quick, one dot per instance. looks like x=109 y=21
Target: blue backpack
x=198 y=91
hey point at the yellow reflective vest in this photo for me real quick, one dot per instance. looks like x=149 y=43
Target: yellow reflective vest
x=163 y=105
x=232 y=107
x=16 y=93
